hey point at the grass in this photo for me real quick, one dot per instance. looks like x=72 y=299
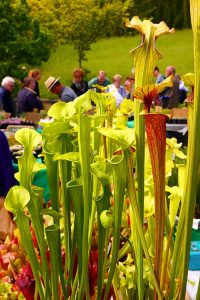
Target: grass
x=112 y=55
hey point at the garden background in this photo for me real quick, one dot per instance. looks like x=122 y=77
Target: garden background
x=56 y=37
x=88 y=158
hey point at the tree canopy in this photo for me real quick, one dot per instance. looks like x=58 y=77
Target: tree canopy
x=79 y=22
x=82 y=22
x=28 y=27
x=22 y=42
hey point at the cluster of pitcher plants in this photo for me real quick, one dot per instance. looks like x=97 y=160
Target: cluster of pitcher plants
x=110 y=228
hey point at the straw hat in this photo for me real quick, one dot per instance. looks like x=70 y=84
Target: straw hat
x=50 y=82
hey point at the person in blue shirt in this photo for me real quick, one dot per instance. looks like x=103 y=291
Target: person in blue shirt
x=64 y=93
x=101 y=80
x=158 y=75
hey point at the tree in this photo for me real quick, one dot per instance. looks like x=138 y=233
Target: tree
x=22 y=43
x=175 y=13
x=69 y=21
x=79 y=22
x=82 y=27
x=111 y=19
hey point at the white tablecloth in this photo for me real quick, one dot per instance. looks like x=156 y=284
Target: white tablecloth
x=192 y=284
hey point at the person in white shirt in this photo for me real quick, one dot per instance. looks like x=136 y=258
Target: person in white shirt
x=117 y=90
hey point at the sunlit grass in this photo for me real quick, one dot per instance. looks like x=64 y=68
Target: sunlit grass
x=113 y=56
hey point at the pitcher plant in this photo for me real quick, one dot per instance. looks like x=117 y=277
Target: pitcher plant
x=109 y=230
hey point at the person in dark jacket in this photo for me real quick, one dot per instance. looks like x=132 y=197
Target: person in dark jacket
x=7 y=102
x=27 y=99
x=7 y=179
x=79 y=85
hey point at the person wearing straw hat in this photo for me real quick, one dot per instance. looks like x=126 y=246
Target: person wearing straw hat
x=64 y=93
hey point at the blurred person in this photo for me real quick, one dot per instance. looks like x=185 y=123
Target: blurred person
x=158 y=75
x=129 y=86
x=183 y=90
x=36 y=74
x=117 y=90
x=101 y=80
x=79 y=85
x=170 y=97
x=64 y=93
x=7 y=102
x=170 y=70
x=27 y=98
x=159 y=78
x=7 y=179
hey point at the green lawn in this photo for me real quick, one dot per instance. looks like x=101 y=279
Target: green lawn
x=112 y=55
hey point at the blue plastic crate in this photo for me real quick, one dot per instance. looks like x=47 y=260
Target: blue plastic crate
x=194 y=263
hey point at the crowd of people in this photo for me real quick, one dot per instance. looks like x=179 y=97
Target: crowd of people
x=28 y=98
x=99 y=84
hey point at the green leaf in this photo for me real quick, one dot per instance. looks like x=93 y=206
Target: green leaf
x=29 y=138
x=124 y=137
x=62 y=110
x=76 y=192
x=17 y=198
x=103 y=102
x=181 y=175
x=188 y=79
x=71 y=156
x=106 y=218
x=175 y=197
x=83 y=103
x=127 y=106
x=54 y=214
x=53 y=239
x=119 y=167
x=55 y=129
x=103 y=171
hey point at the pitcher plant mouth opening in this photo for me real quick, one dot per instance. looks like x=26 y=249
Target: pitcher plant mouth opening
x=146 y=55
x=145 y=27
x=147 y=93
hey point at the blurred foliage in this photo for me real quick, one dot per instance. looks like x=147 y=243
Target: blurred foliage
x=81 y=23
x=30 y=28
x=22 y=43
